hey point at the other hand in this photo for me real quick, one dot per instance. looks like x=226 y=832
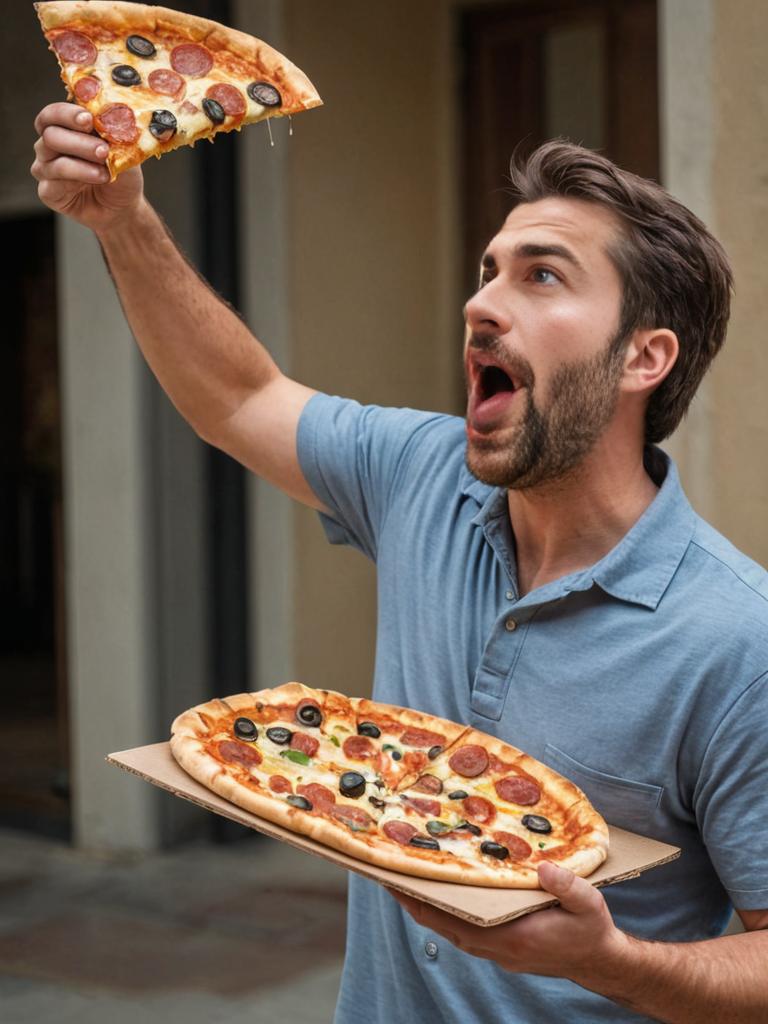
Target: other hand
x=70 y=166
x=577 y=940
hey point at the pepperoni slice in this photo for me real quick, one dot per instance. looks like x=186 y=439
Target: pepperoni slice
x=279 y=784
x=358 y=748
x=516 y=790
x=422 y=738
x=354 y=817
x=469 y=761
x=191 y=59
x=319 y=796
x=239 y=753
x=86 y=88
x=426 y=808
x=306 y=744
x=74 y=47
x=428 y=784
x=479 y=809
x=166 y=82
x=231 y=99
x=117 y=123
x=518 y=848
x=399 y=831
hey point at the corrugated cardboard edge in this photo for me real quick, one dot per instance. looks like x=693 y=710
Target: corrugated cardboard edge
x=630 y=855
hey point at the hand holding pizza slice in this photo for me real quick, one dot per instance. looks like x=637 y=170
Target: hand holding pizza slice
x=155 y=79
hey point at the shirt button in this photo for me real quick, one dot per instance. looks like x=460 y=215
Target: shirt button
x=510 y=625
x=430 y=948
x=510 y=595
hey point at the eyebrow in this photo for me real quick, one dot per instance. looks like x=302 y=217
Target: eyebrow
x=528 y=250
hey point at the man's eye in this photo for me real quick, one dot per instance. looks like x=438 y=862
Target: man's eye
x=543 y=276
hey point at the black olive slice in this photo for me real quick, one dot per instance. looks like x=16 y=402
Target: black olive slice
x=264 y=94
x=469 y=827
x=369 y=729
x=423 y=843
x=300 y=802
x=214 y=110
x=124 y=74
x=536 y=823
x=433 y=752
x=458 y=794
x=278 y=734
x=376 y=802
x=245 y=729
x=352 y=784
x=140 y=46
x=309 y=715
x=494 y=850
x=163 y=125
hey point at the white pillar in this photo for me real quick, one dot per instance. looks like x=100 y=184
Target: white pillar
x=108 y=582
x=266 y=305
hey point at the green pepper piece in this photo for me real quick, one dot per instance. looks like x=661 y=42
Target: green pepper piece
x=297 y=756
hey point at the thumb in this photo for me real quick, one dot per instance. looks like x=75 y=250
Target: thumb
x=575 y=894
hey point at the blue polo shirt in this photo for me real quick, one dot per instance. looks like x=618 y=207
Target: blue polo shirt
x=643 y=678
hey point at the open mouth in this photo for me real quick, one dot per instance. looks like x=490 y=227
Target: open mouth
x=493 y=389
x=494 y=380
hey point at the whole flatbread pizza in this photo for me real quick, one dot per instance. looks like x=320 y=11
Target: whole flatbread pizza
x=155 y=79
x=391 y=786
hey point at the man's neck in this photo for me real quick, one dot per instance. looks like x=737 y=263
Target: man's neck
x=570 y=524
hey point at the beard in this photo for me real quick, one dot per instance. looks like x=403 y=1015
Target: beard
x=551 y=441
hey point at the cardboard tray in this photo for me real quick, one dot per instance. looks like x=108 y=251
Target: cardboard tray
x=629 y=856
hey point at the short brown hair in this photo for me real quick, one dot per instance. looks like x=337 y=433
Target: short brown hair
x=675 y=274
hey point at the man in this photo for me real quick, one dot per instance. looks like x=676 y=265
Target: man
x=559 y=592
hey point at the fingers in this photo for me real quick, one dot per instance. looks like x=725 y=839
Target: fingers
x=575 y=894
x=68 y=115
x=62 y=153
x=66 y=149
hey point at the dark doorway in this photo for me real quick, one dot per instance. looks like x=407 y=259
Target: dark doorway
x=583 y=69
x=34 y=747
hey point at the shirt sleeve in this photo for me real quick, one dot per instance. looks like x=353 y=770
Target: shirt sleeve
x=731 y=800
x=352 y=457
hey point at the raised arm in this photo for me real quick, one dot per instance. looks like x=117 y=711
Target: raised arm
x=219 y=377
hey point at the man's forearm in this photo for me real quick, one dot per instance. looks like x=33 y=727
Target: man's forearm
x=203 y=355
x=723 y=980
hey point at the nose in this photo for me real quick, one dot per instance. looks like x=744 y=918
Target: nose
x=486 y=310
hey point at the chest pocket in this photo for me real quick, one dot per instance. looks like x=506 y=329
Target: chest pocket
x=623 y=802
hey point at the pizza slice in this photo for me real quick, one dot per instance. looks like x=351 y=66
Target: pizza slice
x=155 y=79
x=493 y=805
x=403 y=741
x=277 y=753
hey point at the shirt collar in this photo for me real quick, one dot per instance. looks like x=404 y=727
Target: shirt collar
x=641 y=566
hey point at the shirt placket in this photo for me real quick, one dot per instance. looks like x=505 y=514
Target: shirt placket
x=514 y=617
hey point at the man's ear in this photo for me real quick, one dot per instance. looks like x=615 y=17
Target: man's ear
x=649 y=357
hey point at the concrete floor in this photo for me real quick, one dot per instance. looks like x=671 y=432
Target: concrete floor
x=247 y=932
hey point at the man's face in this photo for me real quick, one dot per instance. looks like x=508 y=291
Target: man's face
x=542 y=368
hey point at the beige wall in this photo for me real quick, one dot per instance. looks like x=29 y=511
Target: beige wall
x=740 y=202
x=374 y=315
x=715 y=106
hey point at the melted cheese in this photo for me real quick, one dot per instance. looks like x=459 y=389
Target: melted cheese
x=143 y=101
